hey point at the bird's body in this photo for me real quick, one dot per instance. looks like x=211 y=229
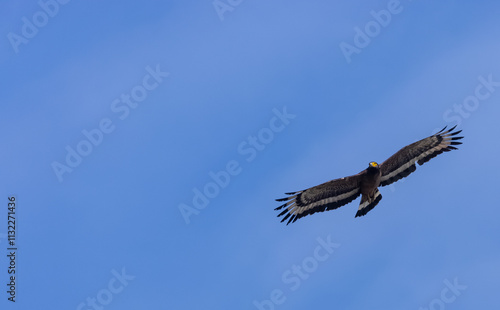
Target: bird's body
x=371 y=179
x=370 y=195
x=338 y=192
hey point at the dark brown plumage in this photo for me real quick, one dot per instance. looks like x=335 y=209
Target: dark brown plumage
x=336 y=193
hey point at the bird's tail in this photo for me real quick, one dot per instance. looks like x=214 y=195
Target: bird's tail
x=368 y=202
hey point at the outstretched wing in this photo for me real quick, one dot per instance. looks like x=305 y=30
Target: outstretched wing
x=324 y=197
x=402 y=163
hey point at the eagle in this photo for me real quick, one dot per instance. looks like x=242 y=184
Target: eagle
x=336 y=193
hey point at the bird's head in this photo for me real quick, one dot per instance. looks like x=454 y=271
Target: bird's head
x=373 y=164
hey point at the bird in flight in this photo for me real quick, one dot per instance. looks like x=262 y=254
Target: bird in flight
x=336 y=193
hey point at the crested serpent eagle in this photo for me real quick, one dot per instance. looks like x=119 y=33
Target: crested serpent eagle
x=336 y=193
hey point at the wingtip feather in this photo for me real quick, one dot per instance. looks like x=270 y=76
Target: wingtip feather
x=286 y=217
x=441 y=130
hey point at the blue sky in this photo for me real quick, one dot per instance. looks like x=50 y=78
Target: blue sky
x=104 y=230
